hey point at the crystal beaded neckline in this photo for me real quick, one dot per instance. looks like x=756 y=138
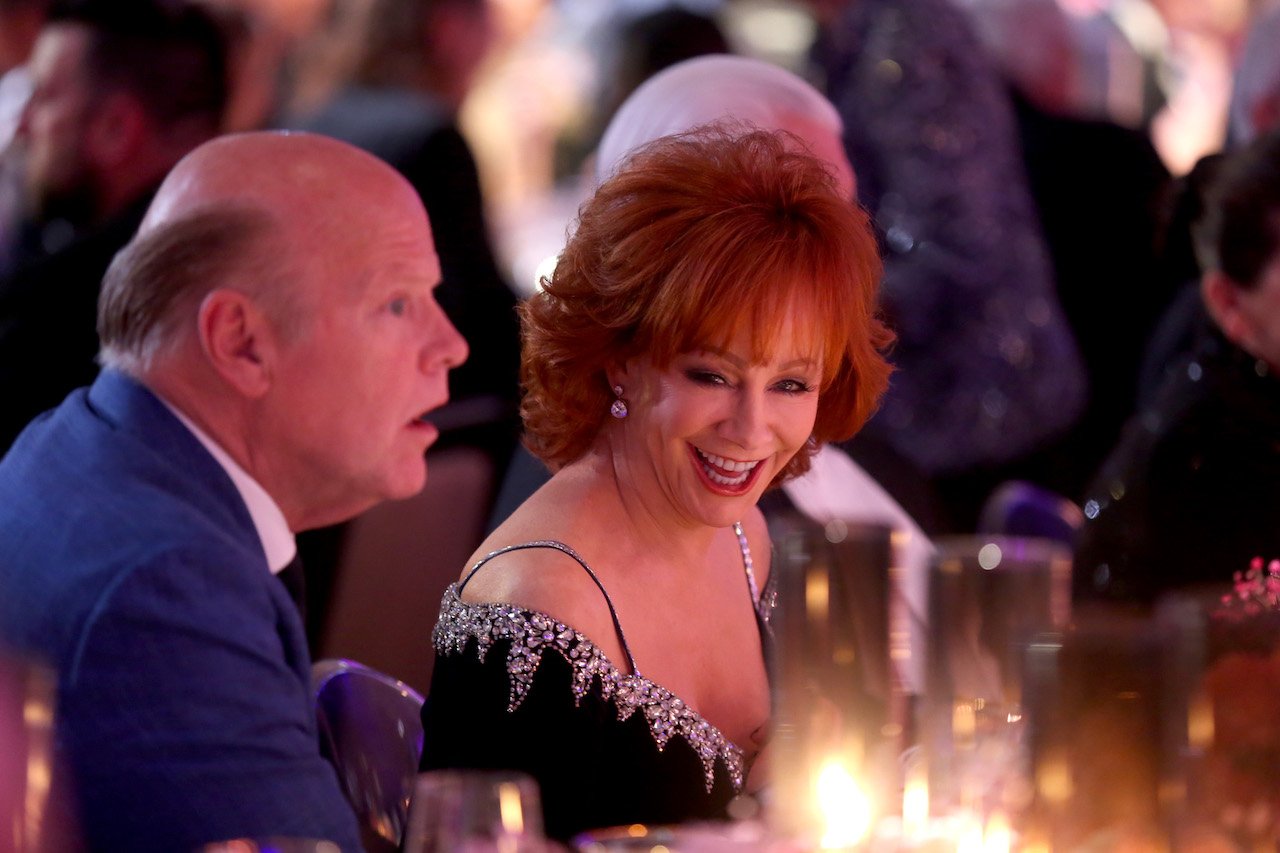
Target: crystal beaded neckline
x=532 y=633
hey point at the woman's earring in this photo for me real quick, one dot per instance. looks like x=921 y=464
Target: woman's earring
x=619 y=407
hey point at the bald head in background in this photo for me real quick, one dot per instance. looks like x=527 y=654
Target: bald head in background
x=272 y=347
x=737 y=89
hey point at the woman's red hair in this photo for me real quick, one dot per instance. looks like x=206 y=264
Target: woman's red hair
x=697 y=233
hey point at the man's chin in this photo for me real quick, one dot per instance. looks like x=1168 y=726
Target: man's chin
x=409 y=483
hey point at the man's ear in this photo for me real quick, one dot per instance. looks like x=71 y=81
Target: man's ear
x=1221 y=298
x=116 y=130
x=238 y=341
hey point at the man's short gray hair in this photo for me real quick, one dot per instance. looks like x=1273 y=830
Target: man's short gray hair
x=153 y=289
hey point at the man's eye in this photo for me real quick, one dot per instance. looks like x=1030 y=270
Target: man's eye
x=398 y=307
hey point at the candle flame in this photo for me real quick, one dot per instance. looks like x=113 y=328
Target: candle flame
x=998 y=837
x=915 y=803
x=970 y=840
x=1200 y=722
x=511 y=808
x=844 y=806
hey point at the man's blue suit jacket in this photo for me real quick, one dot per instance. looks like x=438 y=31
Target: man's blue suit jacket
x=129 y=562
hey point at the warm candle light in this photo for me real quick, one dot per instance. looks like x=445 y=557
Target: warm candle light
x=970 y=836
x=510 y=808
x=998 y=837
x=817 y=596
x=1200 y=722
x=1053 y=779
x=915 y=801
x=844 y=806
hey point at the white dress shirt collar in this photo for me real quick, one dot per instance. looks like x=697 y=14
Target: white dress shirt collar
x=277 y=540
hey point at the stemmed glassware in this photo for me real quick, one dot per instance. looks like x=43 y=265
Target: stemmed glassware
x=474 y=811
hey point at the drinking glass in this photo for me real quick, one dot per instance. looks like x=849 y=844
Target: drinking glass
x=836 y=737
x=474 y=811
x=1110 y=711
x=1224 y=743
x=989 y=596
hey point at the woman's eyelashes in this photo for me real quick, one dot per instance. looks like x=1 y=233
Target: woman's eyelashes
x=792 y=386
x=705 y=377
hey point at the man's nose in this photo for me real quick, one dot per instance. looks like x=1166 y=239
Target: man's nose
x=445 y=347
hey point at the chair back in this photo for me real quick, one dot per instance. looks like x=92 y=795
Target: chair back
x=1019 y=508
x=416 y=548
x=371 y=731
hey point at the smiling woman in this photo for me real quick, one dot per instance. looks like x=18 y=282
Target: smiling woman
x=711 y=322
x=698 y=235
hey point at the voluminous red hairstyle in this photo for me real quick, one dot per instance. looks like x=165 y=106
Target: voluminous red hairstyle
x=695 y=234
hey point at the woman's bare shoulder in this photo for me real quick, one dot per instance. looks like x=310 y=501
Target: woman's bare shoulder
x=542 y=578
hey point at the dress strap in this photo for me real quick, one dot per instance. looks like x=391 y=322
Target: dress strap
x=560 y=546
x=747 y=564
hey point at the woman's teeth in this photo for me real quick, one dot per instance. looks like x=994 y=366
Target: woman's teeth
x=717 y=466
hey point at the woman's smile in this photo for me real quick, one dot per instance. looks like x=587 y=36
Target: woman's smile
x=728 y=476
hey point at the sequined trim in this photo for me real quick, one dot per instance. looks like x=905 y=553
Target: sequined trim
x=763 y=603
x=531 y=633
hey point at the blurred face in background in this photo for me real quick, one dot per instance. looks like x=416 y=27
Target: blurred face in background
x=54 y=131
x=460 y=34
x=1259 y=310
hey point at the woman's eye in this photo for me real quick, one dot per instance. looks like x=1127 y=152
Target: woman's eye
x=793 y=386
x=705 y=377
x=399 y=307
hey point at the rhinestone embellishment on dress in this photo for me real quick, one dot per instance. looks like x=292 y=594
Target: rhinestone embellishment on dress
x=532 y=633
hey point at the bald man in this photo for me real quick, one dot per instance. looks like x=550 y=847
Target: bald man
x=272 y=344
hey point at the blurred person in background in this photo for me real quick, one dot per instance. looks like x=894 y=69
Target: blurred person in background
x=1099 y=190
x=20 y=23
x=122 y=89
x=1255 y=110
x=257 y=45
x=1189 y=495
x=1255 y=96
x=988 y=369
x=638 y=46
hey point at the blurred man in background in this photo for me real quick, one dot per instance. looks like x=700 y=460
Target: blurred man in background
x=121 y=90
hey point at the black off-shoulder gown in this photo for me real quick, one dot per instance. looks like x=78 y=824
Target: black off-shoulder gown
x=517 y=689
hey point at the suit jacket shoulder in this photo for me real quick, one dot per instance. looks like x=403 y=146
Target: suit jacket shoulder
x=130 y=562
